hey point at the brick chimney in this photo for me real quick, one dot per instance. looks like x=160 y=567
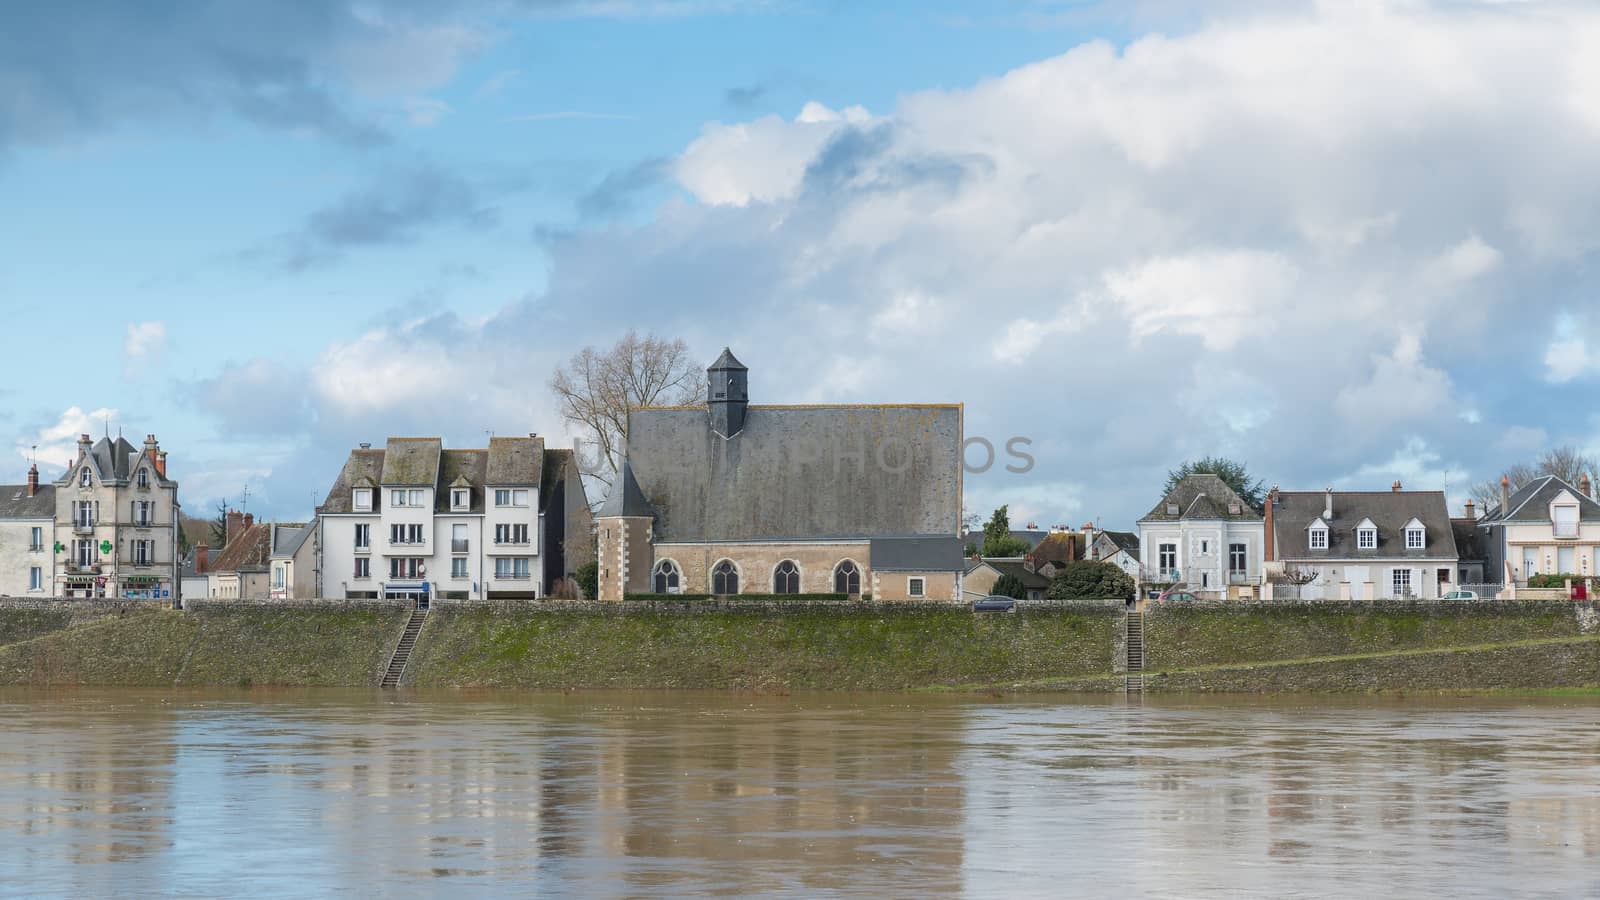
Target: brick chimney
x=1395 y=487
x=1471 y=513
x=202 y=558
x=161 y=463
x=1327 y=505
x=33 y=479
x=235 y=520
x=1271 y=546
x=1585 y=485
x=1505 y=496
x=83 y=446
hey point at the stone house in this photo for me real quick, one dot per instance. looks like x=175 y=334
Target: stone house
x=1362 y=545
x=978 y=581
x=416 y=520
x=739 y=498
x=1544 y=527
x=1203 y=536
x=116 y=520
x=28 y=561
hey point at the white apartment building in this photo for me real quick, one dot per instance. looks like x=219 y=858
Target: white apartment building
x=417 y=521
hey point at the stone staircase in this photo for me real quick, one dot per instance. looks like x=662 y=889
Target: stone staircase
x=1134 y=679
x=402 y=651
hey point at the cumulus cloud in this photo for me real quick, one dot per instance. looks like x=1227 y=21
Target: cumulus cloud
x=56 y=444
x=1291 y=236
x=143 y=344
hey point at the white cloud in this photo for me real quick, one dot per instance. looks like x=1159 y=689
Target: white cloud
x=1566 y=359
x=143 y=344
x=1465 y=261
x=759 y=161
x=57 y=444
x=1216 y=296
x=1403 y=391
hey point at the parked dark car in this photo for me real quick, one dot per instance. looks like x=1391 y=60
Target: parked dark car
x=995 y=603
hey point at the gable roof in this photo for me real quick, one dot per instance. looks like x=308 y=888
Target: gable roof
x=1389 y=512
x=1060 y=546
x=931 y=553
x=249 y=549
x=362 y=464
x=1530 y=502
x=458 y=466
x=800 y=472
x=1117 y=542
x=288 y=539
x=626 y=499
x=1470 y=539
x=515 y=460
x=1202 y=496
x=1030 y=580
x=16 y=504
x=559 y=465
x=411 y=461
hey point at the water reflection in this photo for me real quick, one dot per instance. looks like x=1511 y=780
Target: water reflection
x=308 y=792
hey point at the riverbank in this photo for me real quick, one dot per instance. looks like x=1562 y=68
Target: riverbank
x=810 y=646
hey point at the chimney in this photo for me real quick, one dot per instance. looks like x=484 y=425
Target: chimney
x=249 y=519
x=1327 y=505
x=235 y=523
x=33 y=479
x=202 y=559
x=1470 y=512
x=161 y=463
x=1270 y=545
x=365 y=446
x=1088 y=541
x=1585 y=485
x=83 y=446
x=1505 y=496
x=1395 y=487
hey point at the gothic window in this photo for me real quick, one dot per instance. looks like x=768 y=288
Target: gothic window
x=666 y=577
x=846 y=578
x=724 y=578
x=786 y=578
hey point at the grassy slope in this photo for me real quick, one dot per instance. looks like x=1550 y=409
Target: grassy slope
x=890 y=651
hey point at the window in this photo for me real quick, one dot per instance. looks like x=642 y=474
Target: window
x=414 y=497
x=83 y=477
x=143 y=552
x=786 y=578
x=36 y=539
x=84 y=552
x=502 y=498
x=458 y=539
x=1566 y=560
x=1319 y=538
x=362 y=500
x=1205 y=547
x=458 y=567
x=460 y=498
x=397 y=498
x=83 y=513
x=144 y=512
x=1236 y=557
x=1169 y=557
x=507 y=497
x=35 y=579
x=724 y=578
x=406 y=567
x=510 y=534
x=1402 y=582
x=277 y=577
x=1415 y=538
x=1566 y=521
x=1366 y=538
x=143 y=479
x=405 y=534
x=405 y=497
x=363 y=567
x=511 y=567
x=665 y=578
x=846 y=578
x=915 y=587
x=363 y=536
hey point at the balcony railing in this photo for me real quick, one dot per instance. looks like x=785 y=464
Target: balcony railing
x=509 y=576
x=459 y=546
x=82 y=527
x=1237 y=576
x=83 y=568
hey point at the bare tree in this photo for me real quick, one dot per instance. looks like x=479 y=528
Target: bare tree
x=1299 y=575
x=1566 y=462
x=598 y=387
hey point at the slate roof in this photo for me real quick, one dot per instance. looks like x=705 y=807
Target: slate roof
x=1202 y=497
x=16 y=504
x=515 y=460
x=1030 y=580
x=1470 y=539
x=473 y=465
x=411 y=461
x=728 y=361
x=362 y=464
x=800 y=472
x=626 y=497
x=249 y=549
x=937 y=553
x=1124 y=541
x=1530 y=502
x=288 y=539
x=1388 y=510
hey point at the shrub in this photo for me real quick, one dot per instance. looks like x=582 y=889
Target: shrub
x=1009 y=585
x=1553 y=581
x=1090 y=580
x=589 y=580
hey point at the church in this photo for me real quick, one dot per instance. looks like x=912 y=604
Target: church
x=734 y=498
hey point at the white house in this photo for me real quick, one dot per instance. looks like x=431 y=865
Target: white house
x=27 y=538
x=1362 y=545
x=415 y=520
x=1203 y=536
x=1545 y=527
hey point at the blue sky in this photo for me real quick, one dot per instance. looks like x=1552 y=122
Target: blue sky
x=1346 y=242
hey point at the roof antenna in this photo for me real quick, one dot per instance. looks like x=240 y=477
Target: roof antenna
x=33 y=456
x=244 y=504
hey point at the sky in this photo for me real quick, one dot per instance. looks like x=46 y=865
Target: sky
x=1345 y=242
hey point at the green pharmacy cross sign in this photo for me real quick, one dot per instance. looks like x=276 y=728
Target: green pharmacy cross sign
x=105 y=546
x=60 y=547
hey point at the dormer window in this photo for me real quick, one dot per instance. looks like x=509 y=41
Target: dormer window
x=1235 y=509
x=1565 y=518
x=460 y=499
x=1366 y=538
x=1319 y=538
x=1416 y=537
x=1172 y=509
x=361 y=499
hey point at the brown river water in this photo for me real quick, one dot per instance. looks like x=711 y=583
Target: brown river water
x=228 y=793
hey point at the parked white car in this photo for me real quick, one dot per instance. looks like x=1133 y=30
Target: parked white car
x=1460 y=595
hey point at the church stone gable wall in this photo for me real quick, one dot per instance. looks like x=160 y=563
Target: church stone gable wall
x=756 y=562
x=625 y=557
